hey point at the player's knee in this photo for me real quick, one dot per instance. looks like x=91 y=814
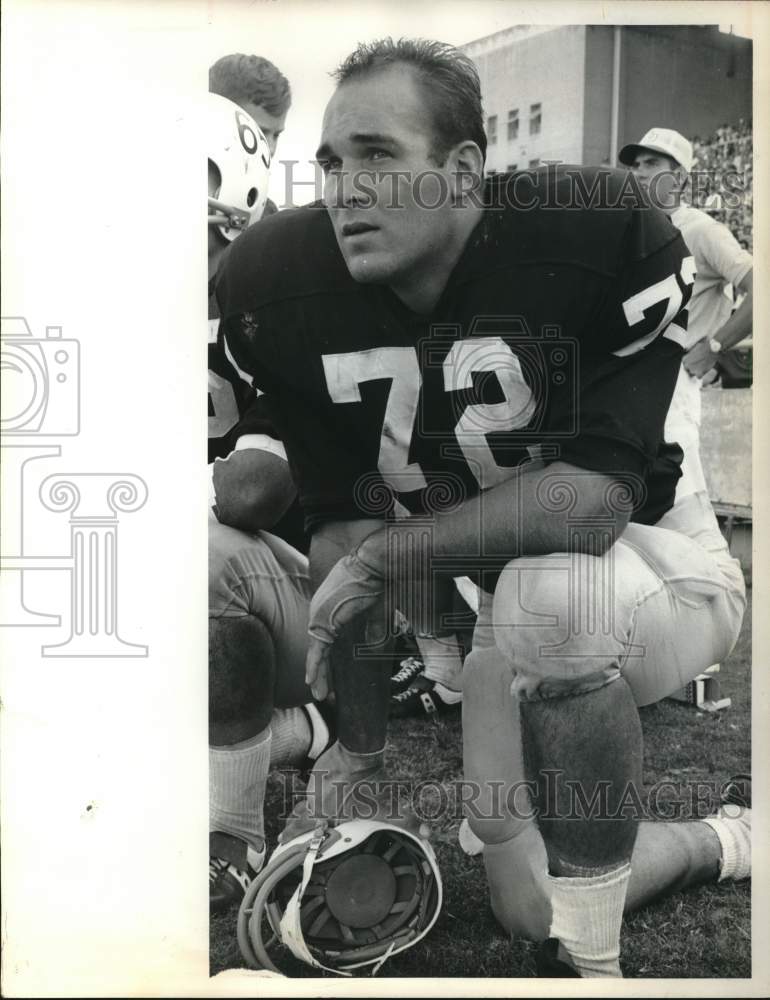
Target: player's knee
x=518 y=886
x=555 y=617
x=531 y=609
x=241 y=671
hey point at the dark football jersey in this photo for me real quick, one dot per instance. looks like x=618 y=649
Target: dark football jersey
x=558 y=334
x=230 y=391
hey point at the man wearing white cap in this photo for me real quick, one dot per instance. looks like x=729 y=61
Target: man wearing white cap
x=662 y=161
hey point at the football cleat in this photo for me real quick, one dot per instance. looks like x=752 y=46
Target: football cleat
x=420 y=698
x=232 y=867
x=737 y=790
x=408 y=672
x=239 y=151
x=342 y=898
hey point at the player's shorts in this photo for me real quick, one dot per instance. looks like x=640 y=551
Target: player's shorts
x=660 y=606
x=262 y=576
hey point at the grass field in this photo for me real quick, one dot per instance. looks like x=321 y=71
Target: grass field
x=702 y=932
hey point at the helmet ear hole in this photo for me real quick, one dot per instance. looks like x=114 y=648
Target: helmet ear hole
x=251 y=197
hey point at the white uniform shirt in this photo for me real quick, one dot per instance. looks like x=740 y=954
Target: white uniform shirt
x=720 y=260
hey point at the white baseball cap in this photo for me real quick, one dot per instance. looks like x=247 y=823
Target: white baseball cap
x=660 y=140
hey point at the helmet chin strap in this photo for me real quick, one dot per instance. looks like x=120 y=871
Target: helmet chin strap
x=291 y=930
x=226 y=215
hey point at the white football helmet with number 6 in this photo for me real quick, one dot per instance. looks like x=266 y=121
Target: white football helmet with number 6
x=241 y=156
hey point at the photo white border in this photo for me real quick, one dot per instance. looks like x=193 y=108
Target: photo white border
x=104 y=809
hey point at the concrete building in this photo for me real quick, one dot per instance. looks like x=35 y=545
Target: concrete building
x=576 y=93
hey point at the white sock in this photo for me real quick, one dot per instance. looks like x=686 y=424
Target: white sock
x=587 y=914
x=319 y=739
x=292 y=735
x=237 y=779
x=442 y=659
x=732 y=825
x=447 y=695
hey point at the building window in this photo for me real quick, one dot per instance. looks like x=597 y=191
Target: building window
x=492 y=130
x=534 y=163
x=513 y=124
x=535 y=118
x=512 y=168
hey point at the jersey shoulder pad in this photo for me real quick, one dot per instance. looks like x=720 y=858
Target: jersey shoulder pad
x=290 y=254
x=595 y=218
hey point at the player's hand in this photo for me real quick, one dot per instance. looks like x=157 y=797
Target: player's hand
x=341 y=788
x=351 y=588
x=700 y=360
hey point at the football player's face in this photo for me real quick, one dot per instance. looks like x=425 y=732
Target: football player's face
x=389 y=201
x=660 y=176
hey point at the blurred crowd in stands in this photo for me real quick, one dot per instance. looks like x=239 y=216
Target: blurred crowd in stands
x=727 y=152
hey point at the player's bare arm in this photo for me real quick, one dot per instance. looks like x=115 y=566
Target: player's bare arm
x=511 y=517
x=701 y=358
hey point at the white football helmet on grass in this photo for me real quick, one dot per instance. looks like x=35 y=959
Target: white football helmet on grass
x=343 y=898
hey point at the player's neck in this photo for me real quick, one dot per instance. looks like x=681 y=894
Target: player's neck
x=423 y=288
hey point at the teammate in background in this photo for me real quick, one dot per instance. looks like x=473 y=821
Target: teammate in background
x=259 y=87
x=260 y=711
x=420 y=304
x=662 y=161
